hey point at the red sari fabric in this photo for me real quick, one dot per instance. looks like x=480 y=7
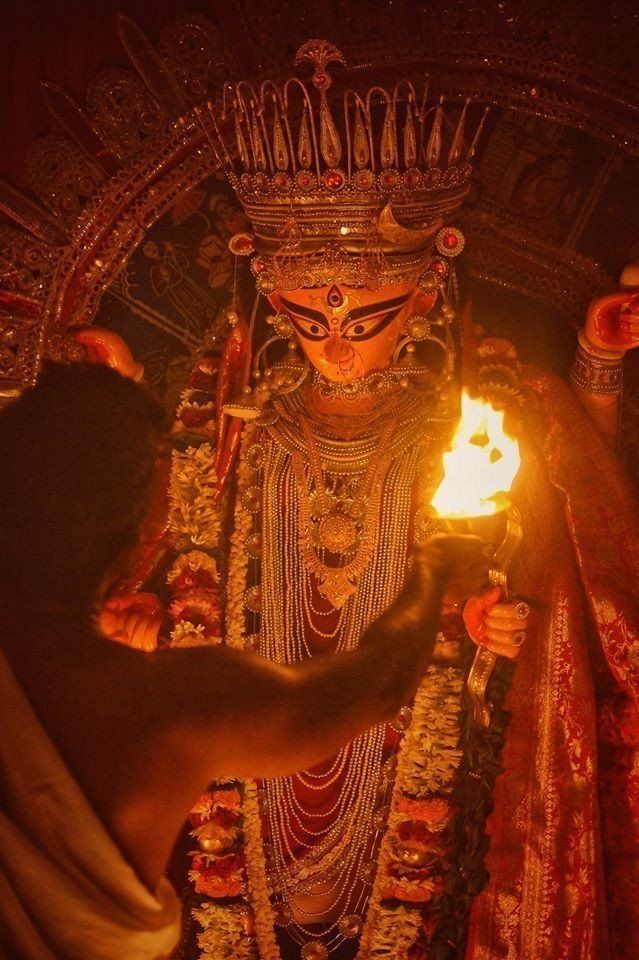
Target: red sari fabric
x=564 y=854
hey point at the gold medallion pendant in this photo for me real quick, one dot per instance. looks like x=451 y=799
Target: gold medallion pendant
x=337 y=532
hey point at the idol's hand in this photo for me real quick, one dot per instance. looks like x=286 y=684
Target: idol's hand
x=106 y=347
x=133 y=619
x=501 y=627
x=612 y=322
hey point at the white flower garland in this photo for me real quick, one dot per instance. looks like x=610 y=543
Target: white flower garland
x=194 y=517
x=428 y=761
x=224 y=933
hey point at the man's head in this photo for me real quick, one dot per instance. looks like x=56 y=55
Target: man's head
x=78 y=454
x=347 y=332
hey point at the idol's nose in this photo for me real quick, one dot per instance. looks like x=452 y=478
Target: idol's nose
x=337 y=350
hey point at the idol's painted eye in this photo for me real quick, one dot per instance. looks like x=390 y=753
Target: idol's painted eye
x=363 y=329
x=309 y=329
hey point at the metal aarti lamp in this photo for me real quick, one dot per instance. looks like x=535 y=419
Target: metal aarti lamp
x=473 y=497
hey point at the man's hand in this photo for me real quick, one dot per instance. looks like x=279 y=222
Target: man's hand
x=501 y=627
x=458 y=564
x=132 y=619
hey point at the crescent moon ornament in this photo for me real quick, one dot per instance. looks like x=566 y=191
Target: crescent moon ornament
x=392 y=231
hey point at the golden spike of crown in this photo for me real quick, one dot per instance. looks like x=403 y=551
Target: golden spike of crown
x=353 y=190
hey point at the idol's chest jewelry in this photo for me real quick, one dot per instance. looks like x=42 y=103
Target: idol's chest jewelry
x=338 y=526
x=321 y=501
x=339 y=490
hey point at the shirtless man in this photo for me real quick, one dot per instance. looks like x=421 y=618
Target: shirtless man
x=142 y=734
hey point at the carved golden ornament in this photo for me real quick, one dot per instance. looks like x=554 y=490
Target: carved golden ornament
x=192 y=50
x=350 y=926
x=337 y=584
x=418 y=328
x=314 y=950
x=254 y=546
x=253 y=599
x=333 y=263
x=389 y=229
x=450 y=242
x=242 y=244
x=330 y=167
x=123 y=110
x=252 y=499
x=337 y=532
x=255 y=456
x=61 y=175
x=320 y=53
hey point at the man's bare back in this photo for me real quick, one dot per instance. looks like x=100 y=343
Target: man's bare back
x=143 y=734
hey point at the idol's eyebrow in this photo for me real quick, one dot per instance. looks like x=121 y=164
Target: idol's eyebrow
x=372 y=309
x=306 y=312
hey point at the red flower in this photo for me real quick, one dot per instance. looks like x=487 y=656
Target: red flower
x=227 y=819
x=193 y=417
x=199 y=607
x=219 y=877
x=204 y=377
x=435 y=812
x=409 y=893
x=215 y=803
x=229 y=799
x=190 y=579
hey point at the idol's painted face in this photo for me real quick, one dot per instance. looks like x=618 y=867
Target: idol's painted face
x=347 y=332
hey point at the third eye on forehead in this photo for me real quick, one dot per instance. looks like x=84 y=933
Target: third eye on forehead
x=334 y=297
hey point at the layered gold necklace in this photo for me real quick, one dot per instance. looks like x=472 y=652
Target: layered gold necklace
x=340 y=526
x=335 y=520
x=339 y=487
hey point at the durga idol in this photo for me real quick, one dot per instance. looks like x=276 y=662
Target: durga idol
x=435 y=836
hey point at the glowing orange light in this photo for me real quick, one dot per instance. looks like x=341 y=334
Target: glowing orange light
x=481 y=465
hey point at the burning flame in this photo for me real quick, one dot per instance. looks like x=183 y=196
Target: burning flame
x=481 y=464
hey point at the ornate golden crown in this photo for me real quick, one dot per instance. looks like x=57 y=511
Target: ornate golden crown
x=356 y=196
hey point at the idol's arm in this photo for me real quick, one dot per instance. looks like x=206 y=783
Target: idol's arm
x=611 y=328
x=597 y=380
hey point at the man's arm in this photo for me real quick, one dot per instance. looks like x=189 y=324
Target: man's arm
x=206 y=713
x=238 y=715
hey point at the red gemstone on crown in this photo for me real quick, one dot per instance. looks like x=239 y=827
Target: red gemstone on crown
x=304 y=179
x=334 y=179
x=450 y=241
x=363 y=179
x=259 y=266
x=322 y=81
x=389 y=178
x=412 y=178
x=260 y=181
x=281 y=181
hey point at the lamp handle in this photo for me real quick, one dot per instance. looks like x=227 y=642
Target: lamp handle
x=485 y=659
